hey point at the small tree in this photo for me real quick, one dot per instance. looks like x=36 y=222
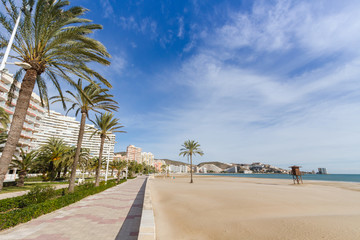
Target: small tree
x=190 y=148
x=119 y=165
x=23 y=164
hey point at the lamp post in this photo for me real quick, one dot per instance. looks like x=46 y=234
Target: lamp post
x=7 y=52
x=107 y=166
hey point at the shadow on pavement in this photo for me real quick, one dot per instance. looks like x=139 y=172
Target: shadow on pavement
x=130 y=228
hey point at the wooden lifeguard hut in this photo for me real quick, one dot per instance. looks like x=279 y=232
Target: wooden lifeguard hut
x=296 y=174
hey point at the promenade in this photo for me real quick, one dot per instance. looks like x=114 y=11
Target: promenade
x=112 y=214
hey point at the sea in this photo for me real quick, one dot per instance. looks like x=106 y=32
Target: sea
x=316 y=177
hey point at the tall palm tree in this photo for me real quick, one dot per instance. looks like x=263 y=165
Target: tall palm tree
x=90 y=98
x=105 y=124
x=4 y=121
x=23 y=164
x=190 y=148
x=55 y=42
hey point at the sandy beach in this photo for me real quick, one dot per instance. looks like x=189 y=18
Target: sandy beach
x=251 y=208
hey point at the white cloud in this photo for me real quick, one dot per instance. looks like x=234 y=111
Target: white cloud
x=319 y=26
x=240 y=113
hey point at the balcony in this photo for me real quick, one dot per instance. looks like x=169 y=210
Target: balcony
x=31 y=112
x=26 y=135
x=24 y=142
x=28 y=127
x=3 y=96
x=4 y=87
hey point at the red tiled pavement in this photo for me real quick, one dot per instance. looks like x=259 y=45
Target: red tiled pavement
x=112 y=214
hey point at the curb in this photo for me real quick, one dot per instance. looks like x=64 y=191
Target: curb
x=147 y=224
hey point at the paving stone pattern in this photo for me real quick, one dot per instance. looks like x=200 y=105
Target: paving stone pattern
x=112 y=214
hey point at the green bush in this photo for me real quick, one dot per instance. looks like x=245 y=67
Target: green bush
x=10 y=218
x=39 y=194
x=36 y=195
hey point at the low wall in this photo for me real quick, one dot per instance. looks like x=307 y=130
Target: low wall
x=147 y=224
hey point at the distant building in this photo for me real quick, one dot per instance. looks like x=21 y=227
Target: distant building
x=120 y=156
x=133 y=153
x=322 y=171
x=231 y=170
x=178 y=169
x=211 y=168
x=148 y=158
x=54 y=124
x=158 y=164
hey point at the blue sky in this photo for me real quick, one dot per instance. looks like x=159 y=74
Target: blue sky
x=270 y=81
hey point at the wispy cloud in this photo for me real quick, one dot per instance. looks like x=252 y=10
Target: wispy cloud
x=107 y=8
x=181 y=27
x=292 y=113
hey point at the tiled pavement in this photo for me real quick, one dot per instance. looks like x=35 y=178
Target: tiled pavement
x=112 y=214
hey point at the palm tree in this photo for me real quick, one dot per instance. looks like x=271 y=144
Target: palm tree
x=4 y=121
x=52 y=153
x=55 y=42
x=190 y=148
x=105 y=124
x=112 y=166
x=69 y=156
x=94 y=163
x=26 y=161
x=119 y=165
x=91 y=98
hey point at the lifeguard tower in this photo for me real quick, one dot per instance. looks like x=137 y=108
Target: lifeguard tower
x=296 y=174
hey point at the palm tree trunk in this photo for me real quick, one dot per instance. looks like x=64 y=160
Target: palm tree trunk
x=112 y=172
x=22 y=105
x=118 y=175
x=77 y=153
x=21 y=180
x=65 y=171
x=97 y=181
x=191 y=181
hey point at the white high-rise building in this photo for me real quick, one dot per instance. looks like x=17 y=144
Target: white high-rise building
x=148 y=158
x=67 y=128
x=34 y=114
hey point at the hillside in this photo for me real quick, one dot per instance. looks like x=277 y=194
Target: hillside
x=218 y=164
x=173 y=162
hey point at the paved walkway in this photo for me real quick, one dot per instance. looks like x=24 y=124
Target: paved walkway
x=112 y=214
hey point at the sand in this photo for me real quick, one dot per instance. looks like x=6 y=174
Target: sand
x=250 y=208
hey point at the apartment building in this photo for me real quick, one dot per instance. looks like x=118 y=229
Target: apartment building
x=133 y=154
x=34 y=115
x=57 y=125
x=120 y=156
x=148 y=158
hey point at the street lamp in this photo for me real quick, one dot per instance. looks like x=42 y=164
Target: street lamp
x=7 y=52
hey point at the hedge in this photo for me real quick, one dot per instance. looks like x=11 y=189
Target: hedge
x=28 y=210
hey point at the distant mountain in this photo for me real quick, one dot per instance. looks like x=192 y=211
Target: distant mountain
x=173 y=162
x=218 y=164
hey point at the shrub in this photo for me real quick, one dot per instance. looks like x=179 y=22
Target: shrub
x=9 y=184
x=39 y=194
